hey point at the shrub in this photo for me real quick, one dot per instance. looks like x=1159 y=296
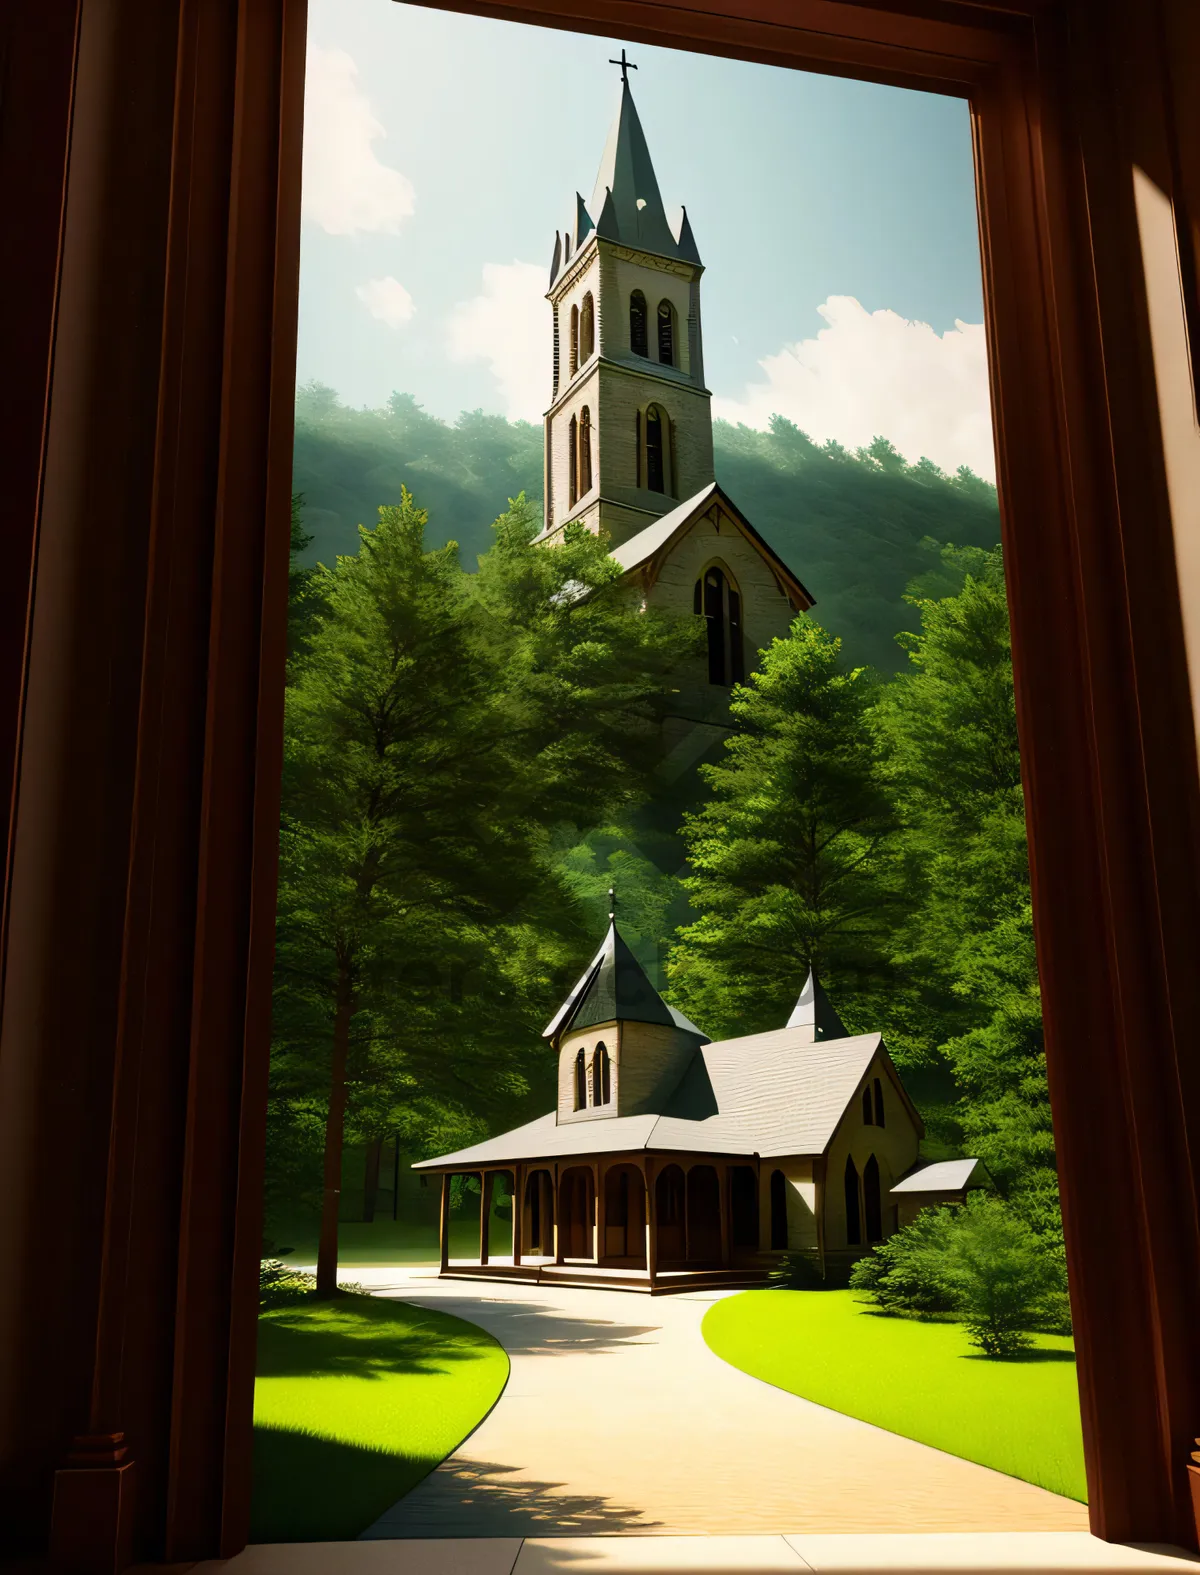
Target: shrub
x=279 y=1286
x=1002 y=1275
x=797 y=1271
x=979 y=1261
x=907 y=1273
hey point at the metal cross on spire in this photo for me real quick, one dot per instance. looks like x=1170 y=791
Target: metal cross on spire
x=626 y=66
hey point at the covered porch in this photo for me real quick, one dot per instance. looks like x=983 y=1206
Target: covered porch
x=633 y=1221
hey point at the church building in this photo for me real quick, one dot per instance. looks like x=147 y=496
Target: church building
x=628 y=435
x=671 y=1160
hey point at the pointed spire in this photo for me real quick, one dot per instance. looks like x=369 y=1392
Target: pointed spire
x=626 y=179
x=583 y=222
x=685 y=240
x=814 y=1011
x=606 y=219
x=556 y=260
x=613 y=988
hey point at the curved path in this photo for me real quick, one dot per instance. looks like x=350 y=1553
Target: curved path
x=617 y=1418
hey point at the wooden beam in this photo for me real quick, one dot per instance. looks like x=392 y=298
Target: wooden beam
x=444 y=1224
x=518 y=1220
x=598 y=1216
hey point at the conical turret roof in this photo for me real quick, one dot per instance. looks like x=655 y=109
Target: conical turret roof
x=614 y=987
x=814 y=1011
x=626 y=201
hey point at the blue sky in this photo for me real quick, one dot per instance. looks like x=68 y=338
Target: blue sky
x=836 y=220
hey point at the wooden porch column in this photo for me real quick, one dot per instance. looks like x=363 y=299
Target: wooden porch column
x=486 y=1177
x=598 y=1216
x=518 y=1226
x=725 y=1210
x=557 y=1243
x=687 y=1233
x=444 y=1223
x=651 y=1221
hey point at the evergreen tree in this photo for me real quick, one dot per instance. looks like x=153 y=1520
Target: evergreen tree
x=967 y=955
x=446 y=735
x=792 y=853
x=402 y=844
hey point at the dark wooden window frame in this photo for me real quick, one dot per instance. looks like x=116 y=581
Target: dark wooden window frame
x=150 y=159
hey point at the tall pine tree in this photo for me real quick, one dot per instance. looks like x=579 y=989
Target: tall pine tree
x=792 y=853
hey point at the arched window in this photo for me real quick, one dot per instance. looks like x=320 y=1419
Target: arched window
x=638 y=341
x=601 y=1076
x=574 y=355
x=868 y=1109
x=666 y=333
x=587 y=329
x=717 y=598
x=779 y=1230
x=580 y=1080
x=655 y=470
x=573 y=465
x=878 y=1103
x=585 y=452
x=872 y=1201
x=853 y=1219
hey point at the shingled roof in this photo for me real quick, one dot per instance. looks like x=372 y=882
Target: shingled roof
x=614 y=987
x=640 y=550
x=772 y=1094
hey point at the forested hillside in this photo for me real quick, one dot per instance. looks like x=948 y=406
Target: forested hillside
x=855 y=527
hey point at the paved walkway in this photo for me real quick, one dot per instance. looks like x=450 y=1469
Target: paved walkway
x=617 y=1418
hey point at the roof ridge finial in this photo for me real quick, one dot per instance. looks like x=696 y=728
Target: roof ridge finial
x=612 y=904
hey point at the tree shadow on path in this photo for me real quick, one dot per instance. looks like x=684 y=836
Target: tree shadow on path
x=536 y=1328
x=477 y=1499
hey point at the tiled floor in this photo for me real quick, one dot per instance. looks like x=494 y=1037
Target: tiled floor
x=979 y=1553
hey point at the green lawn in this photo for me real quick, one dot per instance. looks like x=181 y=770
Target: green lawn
x=395 y=1241
x=356 y=1400
x=918 y=1379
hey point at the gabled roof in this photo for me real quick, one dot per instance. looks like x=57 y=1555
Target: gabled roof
x=948 y=1175
x=815 y=1012
x=657 y=539
x=626 y=201
x=771 y=1094
x=614 y=988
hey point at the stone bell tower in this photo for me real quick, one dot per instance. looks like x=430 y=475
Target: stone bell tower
x=628 y=435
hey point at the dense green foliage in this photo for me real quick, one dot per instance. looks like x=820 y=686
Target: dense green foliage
x=356 y=1401
x=856 y=527
x=471 y=767
x=877 y=831
x=981 y=1262
x=793 y=852
x=445 y=734
x=914 y=1377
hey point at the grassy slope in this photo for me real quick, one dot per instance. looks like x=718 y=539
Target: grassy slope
x=389 y=1241
x=356 y=1401
x=918 y=1379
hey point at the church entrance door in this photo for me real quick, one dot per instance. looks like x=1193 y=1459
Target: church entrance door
x=625 y=1216
x=703 y=1215
x=669 y=1207
x=577 y=1212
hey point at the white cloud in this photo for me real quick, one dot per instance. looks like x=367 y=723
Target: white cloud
x=346 y=189
x=388 y=300
x=509 y=326
x=870 y=373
